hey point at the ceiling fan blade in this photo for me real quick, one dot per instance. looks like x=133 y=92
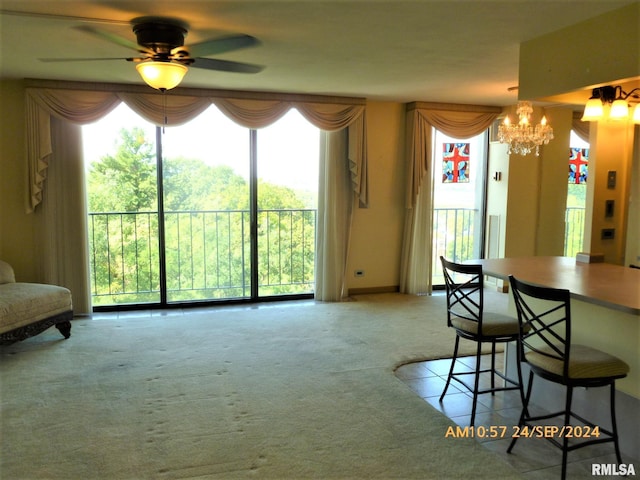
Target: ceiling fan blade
x=221 y=45
x=113 y=38
x=51 y=60
x=226 y=65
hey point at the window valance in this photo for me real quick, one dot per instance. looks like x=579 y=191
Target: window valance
x=82 y=104
x=461 y=121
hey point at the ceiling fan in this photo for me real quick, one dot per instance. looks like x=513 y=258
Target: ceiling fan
x=164 y=58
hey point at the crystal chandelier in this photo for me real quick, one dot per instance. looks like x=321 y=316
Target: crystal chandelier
x=523 y=138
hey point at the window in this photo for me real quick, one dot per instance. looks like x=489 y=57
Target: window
x=205 y=211
x=576 y=195
x=458 y=199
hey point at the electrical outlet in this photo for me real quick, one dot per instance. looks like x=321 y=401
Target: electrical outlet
x=358 y=273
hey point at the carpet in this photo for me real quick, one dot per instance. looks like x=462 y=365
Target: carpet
x=284 y=390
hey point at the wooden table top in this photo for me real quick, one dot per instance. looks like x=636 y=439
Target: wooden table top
x=612 y=286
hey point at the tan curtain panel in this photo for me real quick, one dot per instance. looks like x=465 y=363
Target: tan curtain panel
x=461 y=121
x=61 y=221
x=335 y=213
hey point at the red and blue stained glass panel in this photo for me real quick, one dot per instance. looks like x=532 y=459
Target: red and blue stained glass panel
x=455 y=163
x=578 y=165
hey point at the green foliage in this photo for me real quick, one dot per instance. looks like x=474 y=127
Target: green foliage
x=576 y=195
x=206 y=225
x=125 y=181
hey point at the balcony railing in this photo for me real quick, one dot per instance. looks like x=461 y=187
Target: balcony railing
x=208 y=252
x=574 y=228
x=454 y=234
x=207 y=255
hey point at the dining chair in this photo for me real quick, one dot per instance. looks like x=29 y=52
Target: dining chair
x=466 y=315
x=544 y=316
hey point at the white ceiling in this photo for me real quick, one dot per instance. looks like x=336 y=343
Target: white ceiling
x=421 y=50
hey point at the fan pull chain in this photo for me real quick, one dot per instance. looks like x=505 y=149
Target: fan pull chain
x=164 y=108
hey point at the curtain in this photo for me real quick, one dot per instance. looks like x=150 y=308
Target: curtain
x=335 y=199
x=581 y=128
x=461 y=121
x=62 y=219
x=83 y=103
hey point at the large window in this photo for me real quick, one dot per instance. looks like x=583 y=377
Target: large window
x=205 y=211
x=459 y=174
x=578 y=176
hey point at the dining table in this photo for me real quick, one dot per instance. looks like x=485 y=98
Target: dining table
x=605 y=303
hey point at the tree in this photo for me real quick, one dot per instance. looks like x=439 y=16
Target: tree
x=125 y=181
x=206 y=228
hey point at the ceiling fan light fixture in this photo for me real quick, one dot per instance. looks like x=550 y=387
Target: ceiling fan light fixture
x=162 y=75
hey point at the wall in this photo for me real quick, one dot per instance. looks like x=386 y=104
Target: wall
x=552 y=197
x=633 y=230
x=16 y=227
x=611 y=150
x=600 y=50
x=535 y=188
x=376 y=239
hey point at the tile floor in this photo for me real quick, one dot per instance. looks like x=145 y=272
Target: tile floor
x=534 y=458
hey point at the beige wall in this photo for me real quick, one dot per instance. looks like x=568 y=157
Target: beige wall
x=531 y=198
x=552 y=197
x=376 y=239
x=16 y=227
x=611 y=150
x=600 y=50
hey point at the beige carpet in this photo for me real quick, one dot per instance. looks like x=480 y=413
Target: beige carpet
x=301 y=390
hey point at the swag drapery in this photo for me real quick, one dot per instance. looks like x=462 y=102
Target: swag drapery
x=55 y=111
x=461 y=121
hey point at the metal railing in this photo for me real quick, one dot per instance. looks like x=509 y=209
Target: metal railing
x=574 y=229
x=454 y=237
x=207 y=255
x=208 y=252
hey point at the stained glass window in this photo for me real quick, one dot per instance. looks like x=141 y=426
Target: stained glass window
x=455 y=163
x=578 y=165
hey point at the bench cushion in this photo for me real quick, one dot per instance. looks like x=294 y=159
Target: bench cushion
x=25 y=303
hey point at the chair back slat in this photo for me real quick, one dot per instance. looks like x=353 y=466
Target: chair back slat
x=464 y=289
x=544 y=316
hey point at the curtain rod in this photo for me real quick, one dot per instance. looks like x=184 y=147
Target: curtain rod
x=452 y=107
x=192 y=92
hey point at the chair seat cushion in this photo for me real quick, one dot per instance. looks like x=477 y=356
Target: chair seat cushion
x=584 y=362
x=493 y=325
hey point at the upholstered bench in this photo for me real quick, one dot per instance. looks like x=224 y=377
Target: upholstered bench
x=27 y=309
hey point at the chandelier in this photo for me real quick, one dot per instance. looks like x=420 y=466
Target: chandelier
x=523 y=138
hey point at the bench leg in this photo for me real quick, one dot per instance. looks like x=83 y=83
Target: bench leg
x=64 y=328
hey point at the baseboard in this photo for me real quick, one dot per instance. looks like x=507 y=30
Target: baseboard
x=367 y=290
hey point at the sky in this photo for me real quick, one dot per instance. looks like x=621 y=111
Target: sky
x=288 y=150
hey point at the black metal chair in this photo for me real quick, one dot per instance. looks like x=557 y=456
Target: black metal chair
x=544 y=315
x=465 y=313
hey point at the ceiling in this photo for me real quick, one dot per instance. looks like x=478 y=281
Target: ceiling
x=420 y=50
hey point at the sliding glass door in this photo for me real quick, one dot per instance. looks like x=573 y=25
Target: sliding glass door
x=206 y=186
x=205 y=211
